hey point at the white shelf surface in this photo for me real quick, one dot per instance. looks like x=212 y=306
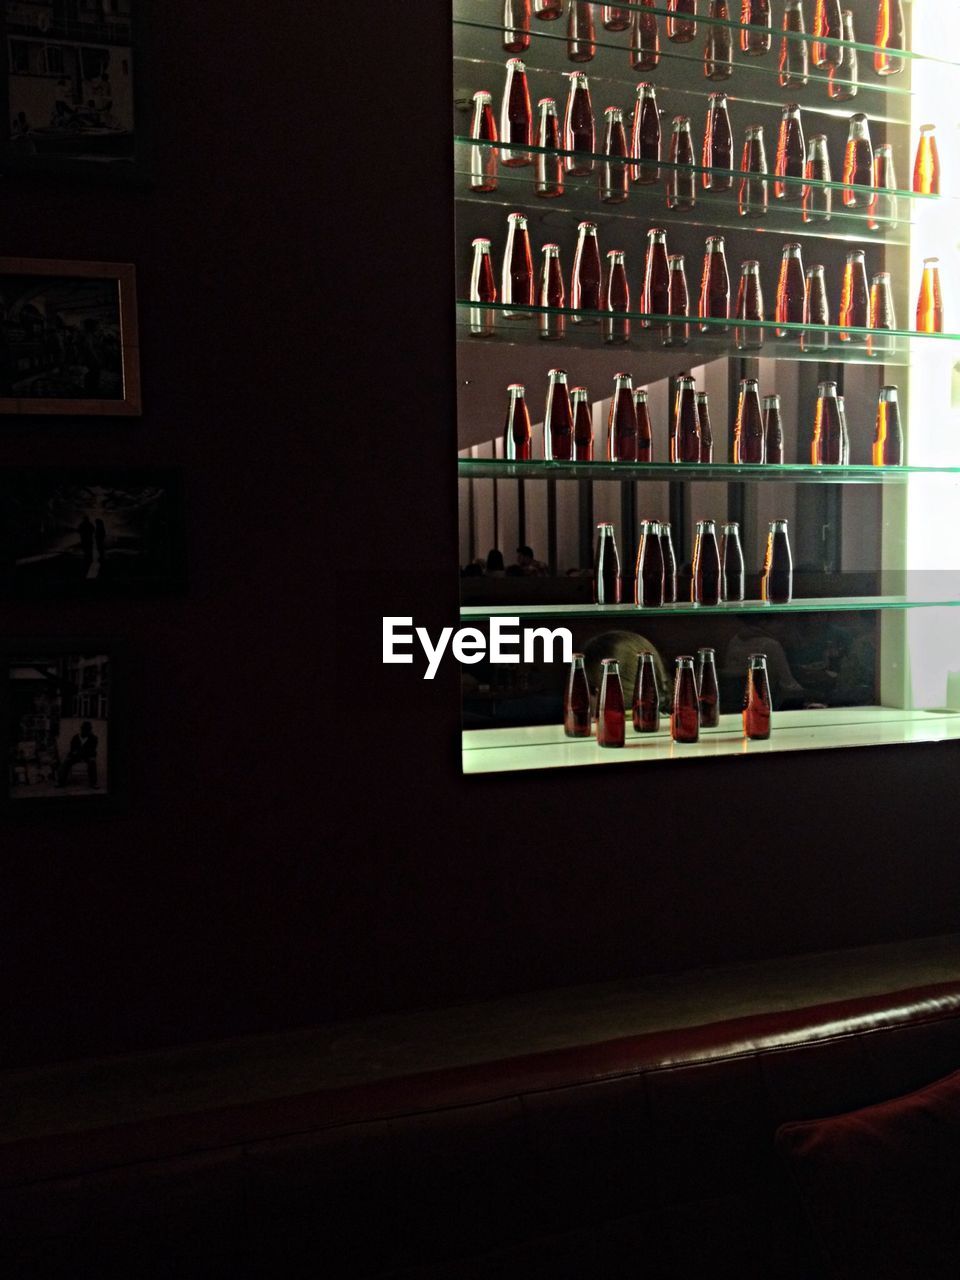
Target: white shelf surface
x=546 y=747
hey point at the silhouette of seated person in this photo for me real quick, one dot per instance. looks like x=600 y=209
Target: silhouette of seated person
x=83 y=750
x=495 y=565
x=626 y=647
x=527 y=565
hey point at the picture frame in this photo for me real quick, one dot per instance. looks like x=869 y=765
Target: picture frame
x=69 y=338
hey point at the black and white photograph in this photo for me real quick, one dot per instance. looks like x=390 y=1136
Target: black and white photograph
x=91 y=533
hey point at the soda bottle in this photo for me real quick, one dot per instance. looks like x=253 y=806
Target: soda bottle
x=646 y=696
x=516 y=276
x=656 y=276
x=791 y=289
x=816 y=309
x=708 y=689
x=616 y=17
x=773 y=430
x=607 y=578
x=827 y=447
x=516 y=115
x=551 y=294
x=842 y=81
x=645 y=143
x=648 y=588
x=844 y=434
x=794 y=54
x=558 y=419
x=681 y=182
x=549 y=183
x=517 y=434
x=754 y=196
x=516 y=25
x=669 y=564
x=718 y=145
x=681 y=24
x=581 y=32
x=715 y=286
x=614 y=175
x=776 y=583
x=757 y=704
x=706 y=431
x=718 y=54
x=930 y=302
x=855 y=298
x=587 y=280
x=611 y=713
x=817 y=200
x=706 y=564
x=578 y=127
x=616 y=299
x=881 y=313
x=685 y=717
x=748 y=434
x=731 y=561
x=750 y=306
x=791 y=155
x=685 y=439
x=926 y=168
x=482 y=289
x=622 y=421
x=644 y=426
x=582 y=425
x=548 y=10
x=858 y=163
x=483 y=160
x=890 y=38
x=828 y=26
x=678 y=334
x=885 y=210
x=756 y=13
x=577 y=721
x=645 y=39
x=888 y=444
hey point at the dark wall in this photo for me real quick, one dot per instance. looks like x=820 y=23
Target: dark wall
x=299 y=845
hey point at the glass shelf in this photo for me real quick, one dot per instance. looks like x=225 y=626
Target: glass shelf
x=672 y=472
x=613 y=612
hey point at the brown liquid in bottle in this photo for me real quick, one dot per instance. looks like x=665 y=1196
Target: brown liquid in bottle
x=645 y=39
x=855 y=298
x=669 y=564
x=757 y=14
x=715 y=286
x=757 y=703
x=577 y=721
x=718 y=53
x=482 y=289
x=550 y=170
x=678 y=334
x=579 y=133
x=754 y=193
x=548 y=10
x=685 y=442
x=708 y=689
x=681 y=182
x=614 y=175
x=718 y=145
x=681 y=24
x=587 y=283
x=748 y=433
x=649 y=581
x=517 y=433
x=816 y=309
x=645 y=145
x=516 y=278
x=890 y=37
x=773 y=430
x=794 y=53
x=483 y=160
x=611 y=713
x=732 y=566
x=622 y=421
x=582 y=425
x=706 y=587
x=888 y=444
x=607 y=578
x=656 y=277
x=926 y=168
x=776 y=583
x=827 y=447
x=516 y=25
x=791 y=290
x=550 y=293
x=858 y=164
x=750 y=307
x=516 y=116
x=616 y=299
x=616 y=17
x=706 y=430
x=828 y=25
x=791 y=156
x=644 y=426
x=930 y=302
x=558 y=419
x=646 y=696
x=581 y=32
x=685 y=717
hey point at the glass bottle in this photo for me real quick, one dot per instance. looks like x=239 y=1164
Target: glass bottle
x=581 y=32
x=791 y=289
x=614 y=175
x=645 y=38
x=577 y=721
x=794 y=53
x=482 y=289
x=582 y=425
x=844 y=433
x=754 y=195
x=888 y=443
x=646 y=137
x=607 y=578
x=748 y=434
x=773 y=430
x=579 y=134
x=706 y=564
x=685 y=717
x=557 y=419
x=648 y=585
x=757 y=703
x=757 y=14
x=622 y=421
x=646 y=696
x=516 y=276
x=548 y=10
x=842 y=83
x=517 y=433
x=817 y=200
x=855 y=297
x=750 y=306
x=718 y=145
x=616 y=299
x=681 y=182
x=549 y=183
x=681 y=23
x=483 y=160
x=715 y=286
x=930 y=302
x=685 y=439
x=678 y=334
x=516 y=116
x=816 y=309
x=826 y=449
x=718 y=53
x=706 y=430
x=669 y=563
x=733 y=573
x=885 y=210
x=926 y=168
x=551 y=293
x=791 y=155
x=882 y=315
x=890 y=38
x=656 y=276
x=587 y=279
x=828 y=26
x=776 y=582
x=611 y=712
x=616 y=17
x=708 y=689
x=516 y=25
x=644 y=426
x=858 y=163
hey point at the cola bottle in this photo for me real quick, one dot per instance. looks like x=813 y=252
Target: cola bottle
x=776 y=582
x=516 y=25
x=750 y=307
x=757 y=703
x=644 y=426
x=885 y=209
x=578 y=128
x=669 y=563
x=706 y=564
x=548 y=10
x=791 y=155
x=756 y=13
x=616 y=17
x=549 y=183
x=577 y=721
x=645 y=142
x=706 y=431
x=842 y=84
x=483 y=160
x=882 y=316
x=773 y=430
x=645 y=38
x=715 y=286
x=681 y=181
x=844 y=434
x=482 y=289
x=708 y=689
x=817 y=200
x=678 y=334
x=754 y=195
x=646 y=696
x=582 y=425
x=791 y=289
x=718 y=146
x=656 y=276
x=890 y=38
x=685 y=439
x=558 y=419
x=926 y=168
x=748 y=434
x=517 y=433
x=516 y=276
x=611 y=713
x=733 y=573
x=685 y=717
x=622 y=421
x=858 y=164
x=587 y=280
x=816 y=309
x=581 y=32
x=516 y=116
x=607 y=578
x=551 y=294
x=718 y=53
x=827 y=447
x=888 y=444
x=855 y=298
x=828 y=26
x=794 y=54
x=930 y=302
x=614 y=174
x=681 y=24
x=648 y=587
x=616 y=299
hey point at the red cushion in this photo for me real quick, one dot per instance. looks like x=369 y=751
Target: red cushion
x=882 y=1185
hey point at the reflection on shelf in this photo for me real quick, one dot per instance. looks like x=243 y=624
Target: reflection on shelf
x=672 y=472
x=623 y=612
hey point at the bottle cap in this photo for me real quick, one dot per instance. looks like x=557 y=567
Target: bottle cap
x=703 y=398
x=927 y=128
x=882 y=277
x=646 y=90
x=931 y=262
x=605 y=527
x=856 y=255
x=685 y=660
x=665 y=528
x=611 y=664
x=516 y=64
x=578 y=393
x=483 y=95
x=656 y=233
x=616 y=253
x=792 y=250
x=705 y=652
x=754 y=130
x=731 y=528
x=551 y=248
x=771 y=402
x=577 y=657
x=714 y=241
x=615 y=113
x=889 y=395
x=556 y=374
x=517 y=387
x=827 y=389
x=749 y=384
x=519 y=218
x=686 y=381
x=649 y=525
x=587 y=226
x=779 y=526
x=482 y=241
x=757 y=660
x=640 y=395
x=815 y=270
x=719 y=98
x=623 y=377
x=550 y=104
x=675 y=261
x=884 y=149
x=706 y=526
x=791 y=109
x=681 y=122
x=750 y=267
x=580 y=77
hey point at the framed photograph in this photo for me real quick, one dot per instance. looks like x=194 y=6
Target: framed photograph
x=92 y=532
x=68 y=338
